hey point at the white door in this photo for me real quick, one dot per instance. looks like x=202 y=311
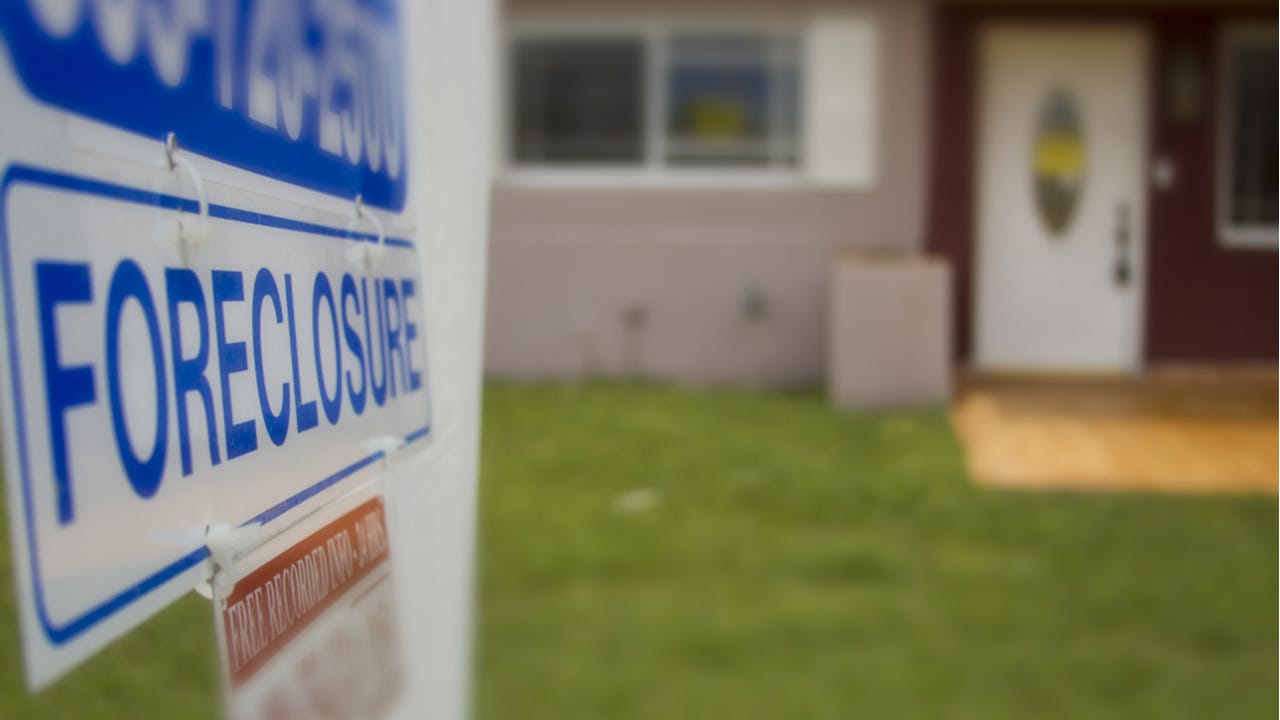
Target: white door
x=1061 y=211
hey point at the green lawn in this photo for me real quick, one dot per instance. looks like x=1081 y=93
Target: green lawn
x=797 y=563
x=807 y=564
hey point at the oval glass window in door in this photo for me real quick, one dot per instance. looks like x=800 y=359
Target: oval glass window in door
x=1058 y=161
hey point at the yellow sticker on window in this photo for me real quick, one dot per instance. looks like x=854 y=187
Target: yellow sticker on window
x=717 y=117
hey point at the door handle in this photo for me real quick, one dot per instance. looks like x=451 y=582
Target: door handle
x=1123 y=270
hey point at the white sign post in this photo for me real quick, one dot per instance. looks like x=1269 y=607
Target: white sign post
x=216 y=305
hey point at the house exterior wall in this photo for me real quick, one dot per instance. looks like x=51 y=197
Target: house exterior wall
x=1205 y=302
x=706 y=283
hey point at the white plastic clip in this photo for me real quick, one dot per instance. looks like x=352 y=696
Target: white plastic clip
x=385 y=444
x=190 y=235
x=388 y=445
x=362 y=253
x=226 y=545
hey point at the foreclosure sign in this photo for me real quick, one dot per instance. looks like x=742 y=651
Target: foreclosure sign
x=307 y=92
x=211 y=302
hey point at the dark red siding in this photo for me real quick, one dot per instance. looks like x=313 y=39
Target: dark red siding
x=951 y=197
x=1204 y=302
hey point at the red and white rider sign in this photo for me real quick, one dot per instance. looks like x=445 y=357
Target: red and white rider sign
x=311 y=633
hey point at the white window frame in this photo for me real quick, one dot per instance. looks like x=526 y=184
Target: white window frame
x=653 y=170
x=1231 y=235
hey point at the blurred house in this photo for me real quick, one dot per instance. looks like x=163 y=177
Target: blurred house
x=677 y=180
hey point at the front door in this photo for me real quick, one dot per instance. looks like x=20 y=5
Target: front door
x=1061 y=212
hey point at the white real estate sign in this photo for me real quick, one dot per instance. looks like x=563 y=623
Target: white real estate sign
x=223 y=334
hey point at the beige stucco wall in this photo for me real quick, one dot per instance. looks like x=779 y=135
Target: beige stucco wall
x=705 y=284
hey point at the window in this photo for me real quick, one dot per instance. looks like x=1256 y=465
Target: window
x=1247 y=173
x=578 y=101
x=668 y=99
x=731 y=100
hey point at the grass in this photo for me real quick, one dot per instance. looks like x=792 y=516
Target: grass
x=797 y=563
x=807 y=564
